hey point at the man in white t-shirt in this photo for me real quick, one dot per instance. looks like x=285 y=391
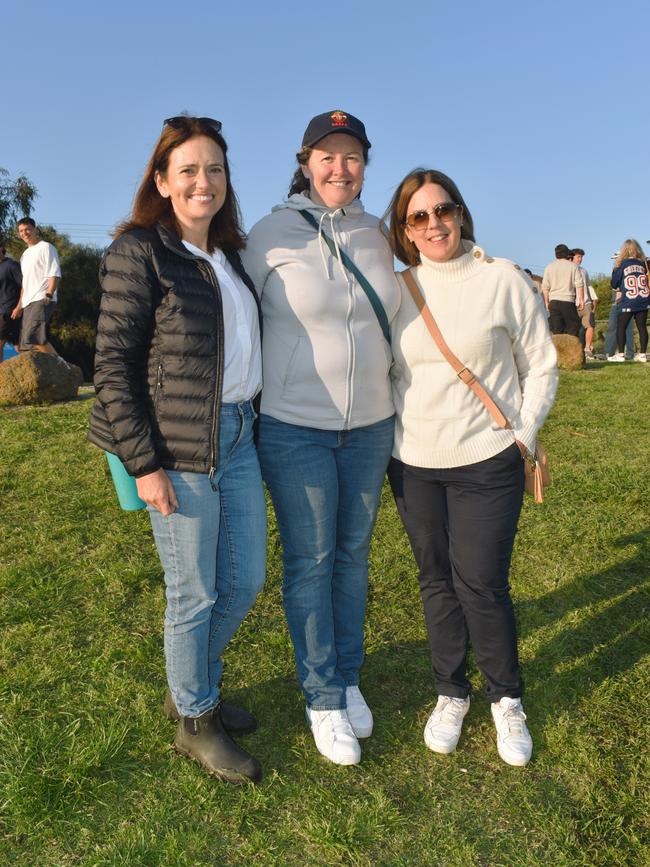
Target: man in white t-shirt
x=41 y=273
x=588 y=312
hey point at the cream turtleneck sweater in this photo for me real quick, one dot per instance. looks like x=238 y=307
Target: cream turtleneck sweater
x=493 y=320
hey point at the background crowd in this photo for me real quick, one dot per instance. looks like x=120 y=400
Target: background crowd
x=571 y=301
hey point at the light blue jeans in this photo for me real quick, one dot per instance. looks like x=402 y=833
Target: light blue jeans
x=213 y=551
x=610 y=334
x=325 y=486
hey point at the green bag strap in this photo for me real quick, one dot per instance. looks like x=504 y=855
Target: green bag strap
x=375 y=303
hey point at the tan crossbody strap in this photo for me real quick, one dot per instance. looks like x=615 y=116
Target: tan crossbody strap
x=462 y=372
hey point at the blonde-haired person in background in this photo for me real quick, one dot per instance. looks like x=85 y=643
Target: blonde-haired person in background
x=630 y=283
x=458 y=477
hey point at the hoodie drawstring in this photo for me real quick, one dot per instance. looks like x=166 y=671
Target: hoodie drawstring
x=322 y=245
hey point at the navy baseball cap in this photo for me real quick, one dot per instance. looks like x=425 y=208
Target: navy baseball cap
x=334 y=121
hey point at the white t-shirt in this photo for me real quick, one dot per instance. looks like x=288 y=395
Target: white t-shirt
x=242 y=375
x=590 y=292
x=37 y=263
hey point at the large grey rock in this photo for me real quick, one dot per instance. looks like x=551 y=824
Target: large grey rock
x=570 y=355
x=37 y=377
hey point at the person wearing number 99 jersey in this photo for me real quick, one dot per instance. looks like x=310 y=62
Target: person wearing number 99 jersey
x=630 y=282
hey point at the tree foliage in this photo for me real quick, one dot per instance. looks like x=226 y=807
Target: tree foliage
x=16 y=198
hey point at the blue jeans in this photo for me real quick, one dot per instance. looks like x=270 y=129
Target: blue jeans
x=325 y=487
x=213 y=551
x=610 y=334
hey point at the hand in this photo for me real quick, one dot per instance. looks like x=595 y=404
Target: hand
x=15 y=313
x=48 y=299
x=157 y=490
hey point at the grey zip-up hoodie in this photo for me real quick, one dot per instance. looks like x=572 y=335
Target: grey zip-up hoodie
x=325 y=359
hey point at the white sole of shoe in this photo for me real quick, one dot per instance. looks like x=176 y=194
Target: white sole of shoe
x=514 y=759
x=344 y=761
x=441 y=749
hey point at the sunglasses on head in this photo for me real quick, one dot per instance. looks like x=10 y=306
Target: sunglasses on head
x=445 y=211
x=181 y=120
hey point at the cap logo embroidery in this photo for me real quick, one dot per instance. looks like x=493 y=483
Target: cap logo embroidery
x=339 y=118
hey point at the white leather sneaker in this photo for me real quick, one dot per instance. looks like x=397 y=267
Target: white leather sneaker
x=334 y=736
x=359 y=713
x=514 y=742
x=442 y=731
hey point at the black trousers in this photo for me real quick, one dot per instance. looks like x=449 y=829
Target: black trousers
x=461 y=523
x=641 y=319
x=563 y=318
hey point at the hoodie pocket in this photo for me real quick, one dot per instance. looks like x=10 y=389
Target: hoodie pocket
x=290 y=369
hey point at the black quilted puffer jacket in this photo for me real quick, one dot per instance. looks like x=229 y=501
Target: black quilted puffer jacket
x=160 y=354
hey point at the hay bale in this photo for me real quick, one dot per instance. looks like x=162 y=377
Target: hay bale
x=37 y=377
x=570 y=355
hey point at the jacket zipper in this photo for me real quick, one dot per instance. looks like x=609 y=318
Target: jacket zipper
x=349 y=328
x=159 y=383
x=207 y=270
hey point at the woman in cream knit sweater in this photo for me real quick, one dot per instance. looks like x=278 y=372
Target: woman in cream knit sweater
x=457 y=477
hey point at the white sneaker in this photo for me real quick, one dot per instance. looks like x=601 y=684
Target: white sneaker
x=514 y=742
x=359 y=713
x=618 y=356
x=640 y=356
x=442 y=731
x=334 y=736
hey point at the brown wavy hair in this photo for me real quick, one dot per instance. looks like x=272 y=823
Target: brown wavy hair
x=402 y=248
x=149 y=207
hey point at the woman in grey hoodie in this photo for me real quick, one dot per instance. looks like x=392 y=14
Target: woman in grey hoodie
x=324 y=270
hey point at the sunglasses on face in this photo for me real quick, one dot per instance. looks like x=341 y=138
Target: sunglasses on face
x=181 y=120
x=445 y=211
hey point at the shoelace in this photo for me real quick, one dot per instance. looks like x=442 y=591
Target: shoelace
x=450 y=712
x=514 y=718
x=337 y=721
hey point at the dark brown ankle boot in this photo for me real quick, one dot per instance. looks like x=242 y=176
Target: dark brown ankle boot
x=236 y=720
x=204 y=739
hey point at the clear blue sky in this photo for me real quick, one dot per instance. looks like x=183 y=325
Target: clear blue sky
x=539 y=112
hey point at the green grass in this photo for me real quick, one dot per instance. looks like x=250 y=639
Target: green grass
x=87 y=772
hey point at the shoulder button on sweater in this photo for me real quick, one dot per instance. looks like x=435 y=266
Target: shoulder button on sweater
x=489 y=259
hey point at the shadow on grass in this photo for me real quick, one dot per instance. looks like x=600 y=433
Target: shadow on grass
x=606 y=637
x=592 y=646
x=91 y=756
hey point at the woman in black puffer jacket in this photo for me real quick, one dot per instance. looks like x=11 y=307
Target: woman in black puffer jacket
x=178 y=366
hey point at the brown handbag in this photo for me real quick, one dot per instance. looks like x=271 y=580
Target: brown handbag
x=536 y=471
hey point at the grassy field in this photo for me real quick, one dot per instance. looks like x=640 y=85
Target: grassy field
x=87 y=772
